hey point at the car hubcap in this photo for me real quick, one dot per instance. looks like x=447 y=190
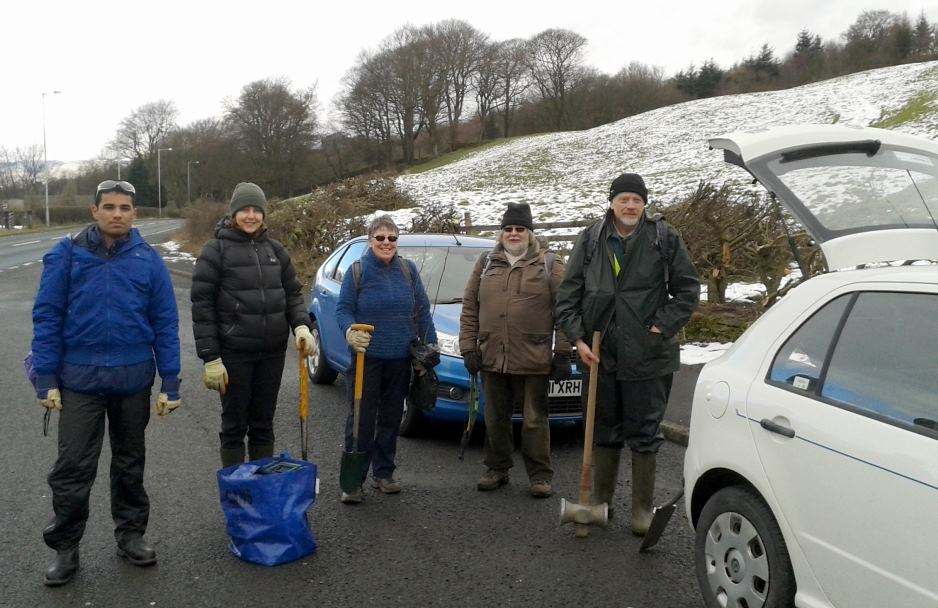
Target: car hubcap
x=313 y=359
x=737 y=566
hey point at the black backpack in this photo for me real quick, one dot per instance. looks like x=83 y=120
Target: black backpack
x=662 y=244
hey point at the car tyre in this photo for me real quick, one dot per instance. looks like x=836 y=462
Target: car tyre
x=320 y=372
x=740 y=556
x=411 y=421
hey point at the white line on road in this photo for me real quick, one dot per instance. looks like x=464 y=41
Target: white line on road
x=25 y=243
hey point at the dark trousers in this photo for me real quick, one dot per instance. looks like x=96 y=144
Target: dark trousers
x=386 y=382
x=502 y=391
x=249 y=404
x=81 y=433
x=629 y=412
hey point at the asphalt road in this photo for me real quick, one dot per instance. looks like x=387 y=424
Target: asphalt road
x=439 y=543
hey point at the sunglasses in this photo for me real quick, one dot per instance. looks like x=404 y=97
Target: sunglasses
x=110 y=185
x=518 y=229
x=380 y=238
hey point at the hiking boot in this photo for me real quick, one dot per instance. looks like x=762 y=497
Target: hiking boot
x=231 y=456
x=540 y=489
x=256 y=451
x=492 y=480
x=63 y=567
x=387 y=486
x=352 y=498
x=137 y=551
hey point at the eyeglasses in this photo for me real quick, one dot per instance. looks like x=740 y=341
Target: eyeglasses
x=110 y=185
x=518 y=229
x=380 y=238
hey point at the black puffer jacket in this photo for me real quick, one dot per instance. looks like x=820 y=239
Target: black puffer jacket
x=245 y=296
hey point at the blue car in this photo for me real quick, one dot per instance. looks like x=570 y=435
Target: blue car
x=433 y=254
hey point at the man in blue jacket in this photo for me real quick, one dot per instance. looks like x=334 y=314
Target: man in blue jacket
x=104 y=321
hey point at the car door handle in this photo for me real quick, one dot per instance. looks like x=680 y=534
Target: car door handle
x=774 y=427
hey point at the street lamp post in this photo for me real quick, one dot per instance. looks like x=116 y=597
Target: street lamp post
x=189 y=180
x=45 y=158
x=159 y=187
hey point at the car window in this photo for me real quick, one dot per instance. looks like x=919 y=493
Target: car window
x=799 y=363
x=329 y=267
x=453 y=264
x=885 y=360
x=354 y=252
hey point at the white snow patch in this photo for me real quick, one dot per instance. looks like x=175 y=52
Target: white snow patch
x=173 y=253
x=694 y=353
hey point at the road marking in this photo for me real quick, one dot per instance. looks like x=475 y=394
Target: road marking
x=25 y=243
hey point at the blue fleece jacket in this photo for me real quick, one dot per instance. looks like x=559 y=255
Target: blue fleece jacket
x=102 y=315
x=387 y=300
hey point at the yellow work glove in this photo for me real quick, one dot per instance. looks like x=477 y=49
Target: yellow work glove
x=357 y=339
x=215 y=376
x=165 y=406
x=304 y=339
x=53 y=400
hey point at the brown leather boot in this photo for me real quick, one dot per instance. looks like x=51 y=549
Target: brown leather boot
x=605 y=474
x=643 y=489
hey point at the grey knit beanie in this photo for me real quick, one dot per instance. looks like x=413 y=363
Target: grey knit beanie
x=247 y=194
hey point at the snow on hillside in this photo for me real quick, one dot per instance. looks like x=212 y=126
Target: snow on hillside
x=565 y=176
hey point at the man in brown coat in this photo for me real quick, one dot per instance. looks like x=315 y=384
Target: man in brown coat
x=506 y=331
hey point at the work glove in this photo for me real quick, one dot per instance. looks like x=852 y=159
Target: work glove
x=560 y=367
x=433 y=355
x=52 y=400
x=304 y=339
x=473 y=361
x=165 y=406
x=357 y=339
x=215 y=376
x=168 y=399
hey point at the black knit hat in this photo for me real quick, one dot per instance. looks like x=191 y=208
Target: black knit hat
x=247 y=194
x=628 y=182
x=518 y=214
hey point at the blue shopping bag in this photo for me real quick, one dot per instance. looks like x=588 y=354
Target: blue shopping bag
x=265 y=503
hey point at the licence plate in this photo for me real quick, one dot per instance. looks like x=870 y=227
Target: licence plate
x=565 y=388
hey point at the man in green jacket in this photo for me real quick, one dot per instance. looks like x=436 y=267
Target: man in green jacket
x=630 y=277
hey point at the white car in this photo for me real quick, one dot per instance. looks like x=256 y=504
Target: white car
x=811 y=476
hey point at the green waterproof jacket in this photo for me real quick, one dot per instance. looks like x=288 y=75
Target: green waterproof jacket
x=625 y=307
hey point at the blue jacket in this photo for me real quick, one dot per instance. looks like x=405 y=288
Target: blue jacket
x=387 y=300
x=101 y=317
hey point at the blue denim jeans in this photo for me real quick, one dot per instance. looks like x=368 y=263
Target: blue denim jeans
x=386 y=382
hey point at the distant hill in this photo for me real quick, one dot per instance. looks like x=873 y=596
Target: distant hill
x=565 y=176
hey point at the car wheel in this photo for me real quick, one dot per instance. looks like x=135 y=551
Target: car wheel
x=410 y=421
x=319 y=370
x=740 y=555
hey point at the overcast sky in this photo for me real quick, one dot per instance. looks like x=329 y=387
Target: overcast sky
x=108 y=58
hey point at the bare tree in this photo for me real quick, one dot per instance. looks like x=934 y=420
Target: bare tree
x=275 y=128
x=486 y=83
x=28 y=166
x=402 y=53
x=7 y=178
x=140 y=133
x=554 y=59
x=512 y=78
x=432 y=82
x=462 y=46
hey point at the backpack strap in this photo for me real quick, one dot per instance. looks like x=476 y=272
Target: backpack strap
x=549 y=269
x=357 y=272
x=663 y=245
x=592 y=240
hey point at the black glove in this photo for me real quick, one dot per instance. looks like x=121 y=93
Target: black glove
x=560 y=367
x=473 y=361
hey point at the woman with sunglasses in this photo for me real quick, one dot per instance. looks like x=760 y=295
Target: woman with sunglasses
x=387 y=294
x=245 y=300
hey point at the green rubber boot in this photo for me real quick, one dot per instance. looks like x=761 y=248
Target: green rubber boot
x=260 y=450
x=605 y=473
x=231 y=456
x=643 y=489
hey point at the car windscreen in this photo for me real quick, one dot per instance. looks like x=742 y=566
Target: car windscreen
x=855 y=192
x=444 y=270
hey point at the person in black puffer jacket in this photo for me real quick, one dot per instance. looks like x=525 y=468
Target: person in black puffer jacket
x=245 y=300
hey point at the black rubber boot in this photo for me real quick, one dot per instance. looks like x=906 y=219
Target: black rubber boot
x=260 y=450
x=63 y=567
x=137 y=551
x=231 y=456
x=605 y=473
x=643 y=489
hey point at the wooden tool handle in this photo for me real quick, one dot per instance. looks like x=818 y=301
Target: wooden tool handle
x=586 y=481
x=363 y=327
x=304 y=388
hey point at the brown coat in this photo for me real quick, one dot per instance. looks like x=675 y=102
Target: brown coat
x=508 y=314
